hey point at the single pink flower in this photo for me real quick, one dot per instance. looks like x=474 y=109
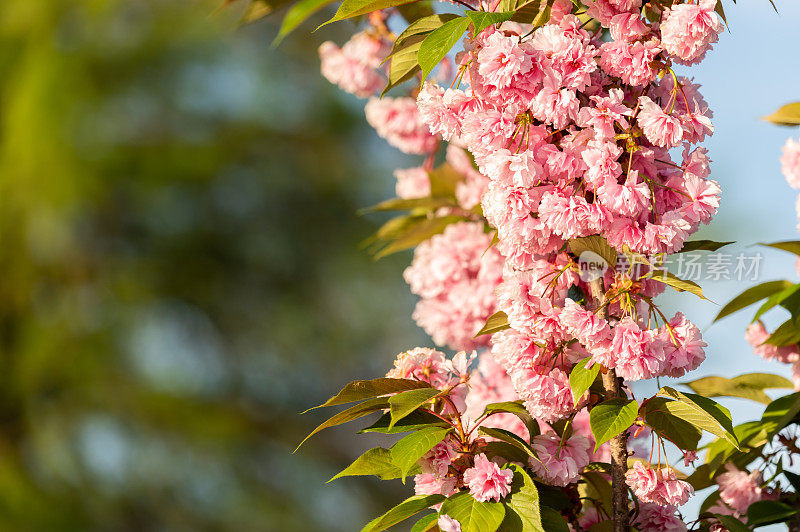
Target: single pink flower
x=486 y=481
x=560 y=464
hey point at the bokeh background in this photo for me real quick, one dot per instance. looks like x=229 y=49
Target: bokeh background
x=181 y=271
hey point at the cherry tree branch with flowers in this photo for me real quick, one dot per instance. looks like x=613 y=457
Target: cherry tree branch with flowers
x=539 y=240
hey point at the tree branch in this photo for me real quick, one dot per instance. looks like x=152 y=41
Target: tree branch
x=618 y=444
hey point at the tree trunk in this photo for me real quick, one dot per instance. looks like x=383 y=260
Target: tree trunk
x=618 y=444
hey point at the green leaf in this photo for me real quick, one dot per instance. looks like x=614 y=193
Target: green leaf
x=426 y=523
x=792 y=246
x=680 y=285
x=516 y=408
x=535 y=12
x=506 y=451
x=481 y=19
x=258 y=9
x=731 y=523
x=748 y=386
x=400 y=204
x=581 y=378
x=376 y=462
x=473 y=516
x=576 y=294
x=444 y=179
x=522 y=504
x=752 y=435
x=595 y=244
x=778 y=298
x=354 y=412
x=404 y=64
x=439 y=43
x=703 y=245
x=417 y=233
x=794 y=480
x=422 y=26
x=510 y=438
x=787 y=333
x=612 y=417
x=298 y=14
x=414 y=421
x=752 y=295
x=355 y=8
x=404 y=403
x=552 y=521
x=392 y=229
x=416 y=10
x=788 y=115
x=767 y=512
x=401 y=512
x=680 y=432
x=780 y=413
x=553 y=497
x=406 y=452
x=721 y=12
x=700 y=412
x=359 y=390
x=598 y=487
x=497 y=322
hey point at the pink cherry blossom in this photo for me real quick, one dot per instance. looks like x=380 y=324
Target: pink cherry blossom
x=689 y=30
x=455 y=275
x=607 y=112
x=658 y=486
x=448 y=524
x=739 y=489
x=560 y=464
x=423 y=364
x=790 y=162
x=630 y=61
x=658 y=518
x=354 y=67
x=683 y=346
x=428 y=484
x=398 y=121
x=412 y=183
x=486 y=481
x=547 y=396
x=756 y=335
x=660 y=128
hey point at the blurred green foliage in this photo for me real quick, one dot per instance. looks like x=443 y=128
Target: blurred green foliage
x=180 y=272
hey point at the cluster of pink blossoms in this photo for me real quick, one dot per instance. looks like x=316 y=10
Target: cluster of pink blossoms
x=658 y=486
x=572 y=135
x=455 y=275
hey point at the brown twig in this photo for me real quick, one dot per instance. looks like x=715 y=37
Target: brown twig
x=618 y=444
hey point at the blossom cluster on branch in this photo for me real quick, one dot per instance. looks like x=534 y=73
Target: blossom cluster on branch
x=566 y=142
